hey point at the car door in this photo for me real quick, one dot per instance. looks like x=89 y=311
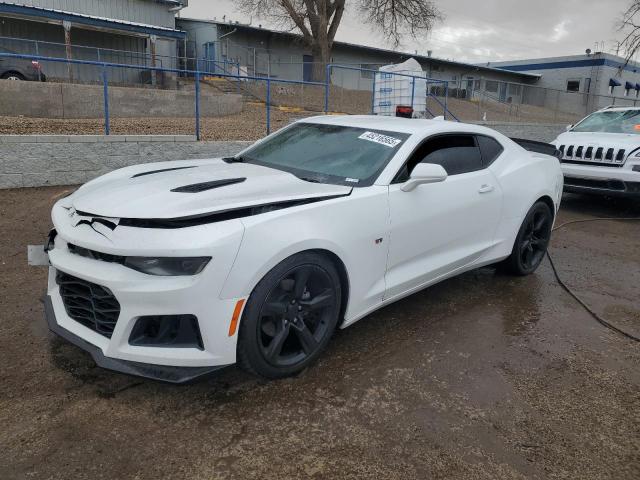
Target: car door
x=440 y=227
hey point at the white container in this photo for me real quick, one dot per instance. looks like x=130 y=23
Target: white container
x=402 y=84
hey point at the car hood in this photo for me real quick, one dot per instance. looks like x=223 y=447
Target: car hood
x=203 y=187
x=628 y=142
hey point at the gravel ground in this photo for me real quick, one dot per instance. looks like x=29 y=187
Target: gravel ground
x=248 y=125
x=483 y=376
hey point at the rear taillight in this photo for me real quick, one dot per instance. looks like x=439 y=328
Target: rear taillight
x=404 y=111
x=35 y=64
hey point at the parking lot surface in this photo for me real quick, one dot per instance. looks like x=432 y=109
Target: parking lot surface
x=484 y=376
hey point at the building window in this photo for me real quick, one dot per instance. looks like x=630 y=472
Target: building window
x=573 y=85
x=365 y=73
x=515 y=90
x=491 y=86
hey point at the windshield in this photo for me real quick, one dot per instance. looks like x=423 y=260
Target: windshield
x=328 y=153
x=611 y=121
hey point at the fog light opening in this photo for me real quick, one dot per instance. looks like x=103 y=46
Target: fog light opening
x=169 y=331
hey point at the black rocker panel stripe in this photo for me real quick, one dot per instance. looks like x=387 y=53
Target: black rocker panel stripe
x=225 y=215
x=151 y=172
x=204 y=186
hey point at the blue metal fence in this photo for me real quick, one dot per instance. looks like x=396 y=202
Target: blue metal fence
x=196 y=74
x=236 y=77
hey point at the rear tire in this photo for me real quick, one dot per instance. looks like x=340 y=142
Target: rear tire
x=290 y=316
x=531 y=242
x=12 y=76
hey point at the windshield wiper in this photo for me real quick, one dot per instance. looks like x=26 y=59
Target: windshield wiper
x=236 y=159
x=310 y=179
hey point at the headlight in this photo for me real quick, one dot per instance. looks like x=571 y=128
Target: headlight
x=167 y=266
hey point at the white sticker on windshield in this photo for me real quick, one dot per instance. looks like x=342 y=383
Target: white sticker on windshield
x=381 y=139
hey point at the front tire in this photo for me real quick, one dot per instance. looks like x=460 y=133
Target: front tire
x=290 y=316
x=532 y=241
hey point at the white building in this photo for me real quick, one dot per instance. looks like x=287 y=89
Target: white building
x=595 y=80
x=265 y=52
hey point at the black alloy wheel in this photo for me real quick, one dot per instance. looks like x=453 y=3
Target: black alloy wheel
x=532 y=241
x=290 y=316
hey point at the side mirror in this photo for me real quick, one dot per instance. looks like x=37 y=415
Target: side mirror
x=568 y=127
x=424 y=173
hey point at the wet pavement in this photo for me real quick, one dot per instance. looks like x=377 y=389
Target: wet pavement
x=484 y=376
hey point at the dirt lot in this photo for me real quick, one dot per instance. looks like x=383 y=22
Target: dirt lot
x=481 y=377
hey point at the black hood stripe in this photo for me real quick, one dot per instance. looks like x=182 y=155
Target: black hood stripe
x=151 y=172
x=232 y=214
x=204 y=186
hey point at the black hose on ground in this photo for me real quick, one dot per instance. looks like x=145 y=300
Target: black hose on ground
x=566 y=288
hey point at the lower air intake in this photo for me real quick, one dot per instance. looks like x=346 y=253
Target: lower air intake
x=93 y=306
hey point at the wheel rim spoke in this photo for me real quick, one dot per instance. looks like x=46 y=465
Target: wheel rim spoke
x=306 y=338
x=301 y=279
x=275 y=347
x=539 y=224
x=275 y=309
x=322 y=300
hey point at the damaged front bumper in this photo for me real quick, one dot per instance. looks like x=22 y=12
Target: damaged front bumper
x=165 y=373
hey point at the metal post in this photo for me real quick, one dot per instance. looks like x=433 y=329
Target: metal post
x=105 y=90
x=373 y=96
x=326 y=90
x=238 y=79
x=268 y=106
x=152 y=48
x=39 y=69
x=446 y=94
x=413 y=91
x=67 y=42
x=197 y=79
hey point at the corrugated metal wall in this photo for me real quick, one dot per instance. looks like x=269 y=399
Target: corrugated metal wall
x=135 y=49
x=140 y=11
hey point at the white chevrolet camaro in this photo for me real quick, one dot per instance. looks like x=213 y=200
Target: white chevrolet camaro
x=173 y=270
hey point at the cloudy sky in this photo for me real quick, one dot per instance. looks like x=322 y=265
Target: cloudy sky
x=482 y=30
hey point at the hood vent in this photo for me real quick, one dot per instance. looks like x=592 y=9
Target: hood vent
x=202 y=187
x=151 y=172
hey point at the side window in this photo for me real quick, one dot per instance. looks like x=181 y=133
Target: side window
x=489 y=148
x=456 y=153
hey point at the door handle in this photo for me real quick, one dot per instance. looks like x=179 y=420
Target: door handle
x=486 y=188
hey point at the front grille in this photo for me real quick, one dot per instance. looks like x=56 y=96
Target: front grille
x=93 y=306
x=589 y=155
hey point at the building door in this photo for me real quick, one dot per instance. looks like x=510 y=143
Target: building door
x=209 y=58
x=469 y=87
x=307 y=67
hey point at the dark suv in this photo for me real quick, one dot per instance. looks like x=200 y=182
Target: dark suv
x=20 y=68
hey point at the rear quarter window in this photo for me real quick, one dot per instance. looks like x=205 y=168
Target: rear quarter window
x=490 y=149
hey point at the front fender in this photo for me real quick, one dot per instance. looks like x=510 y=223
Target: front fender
x=354 y=228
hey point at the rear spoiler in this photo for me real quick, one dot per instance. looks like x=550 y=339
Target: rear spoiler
x=538 y=147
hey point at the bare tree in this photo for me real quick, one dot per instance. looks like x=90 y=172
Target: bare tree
x=630 y=26
x=318 y=20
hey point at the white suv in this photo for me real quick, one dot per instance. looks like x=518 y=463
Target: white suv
x=601 y=153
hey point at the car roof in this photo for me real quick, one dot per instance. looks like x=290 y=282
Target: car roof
x=410 y=126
